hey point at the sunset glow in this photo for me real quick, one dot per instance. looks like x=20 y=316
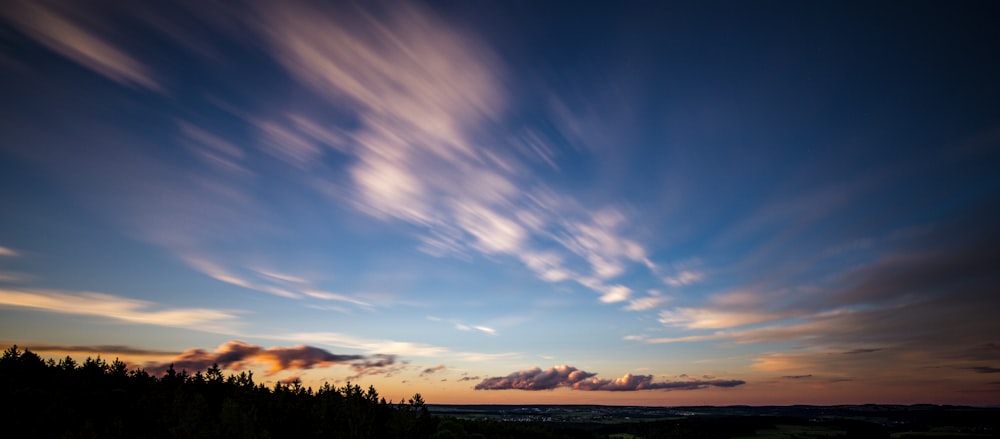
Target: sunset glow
x=643 y=203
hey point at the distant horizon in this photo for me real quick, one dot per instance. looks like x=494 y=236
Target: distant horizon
x=316 y=386
x=707 y=203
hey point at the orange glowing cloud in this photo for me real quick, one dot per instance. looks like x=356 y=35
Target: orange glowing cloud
x=237 y=355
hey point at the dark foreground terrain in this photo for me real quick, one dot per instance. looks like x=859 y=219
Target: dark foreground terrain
x=800 y=421
x=96 y=399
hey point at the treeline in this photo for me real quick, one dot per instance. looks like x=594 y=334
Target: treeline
x=97 y=399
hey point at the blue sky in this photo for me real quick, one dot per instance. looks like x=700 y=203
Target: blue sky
x=656 y=203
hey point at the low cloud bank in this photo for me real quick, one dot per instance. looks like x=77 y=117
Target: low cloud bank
x=576 y=379
x=237 y=355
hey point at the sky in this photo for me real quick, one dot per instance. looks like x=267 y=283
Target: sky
x=518 y=202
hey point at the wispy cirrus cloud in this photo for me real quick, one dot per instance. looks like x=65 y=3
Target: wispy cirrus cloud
x=684 y=277
x=566 y=376
x=427 y=96
x=459 y=325
x=709 y=318
x=220 y=154
x=364 y=344
x=427 y=104
x=388 y=346
x=59 y=27
x=271 y=282
x=654 y=300
x=220 y=274
x=11 y=276
x=119 y=308
x=481 y=328
x=485 y=329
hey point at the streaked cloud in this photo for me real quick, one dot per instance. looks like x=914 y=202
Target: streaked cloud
x=118 y=308
x=427 y=97
x=459 y=325
x=570 y=377
x=861 y=351
x=219 y=153
x=434 y=369
x=684 y=277
x=479 y=357
x=8 y=252
x=14 y=277
x=707 y=318
x=654 y=300
x=238 y=355
x=485 y=329
x=271 y=282
x=218 y=273
x=680 y=339
x=102 y=350
x=379 y=364
x=326 y=295
x=57 y=27
x=364 y=344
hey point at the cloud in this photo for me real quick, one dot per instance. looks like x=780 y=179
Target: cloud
x=630 y=382
x=573 y=378
x=683 y=278
x=797 y=377
x=118 y=308
x=615 y=293
x=238 y=355
x=983 y=369
x=683 y=339
x=364 y=344
x=215 y=151
x=270 y=282
x=105 y=350
x=431 y=370
x=484 y=357
x=218 y=273
x=464 y=327
x=8 y=252
x=536 y=379
x=378 y=364
x=485 y=329
x=55 y=28
x=14 y=277
x=709 y=318
x=427 y=97
x=861 y=351
x=326 y=295
x=291 y=380
x=919 y=301
x=653 y=300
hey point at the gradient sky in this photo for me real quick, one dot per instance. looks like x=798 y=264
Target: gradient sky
x=656 y=203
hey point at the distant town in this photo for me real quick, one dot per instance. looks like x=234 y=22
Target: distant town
x=870 y=420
